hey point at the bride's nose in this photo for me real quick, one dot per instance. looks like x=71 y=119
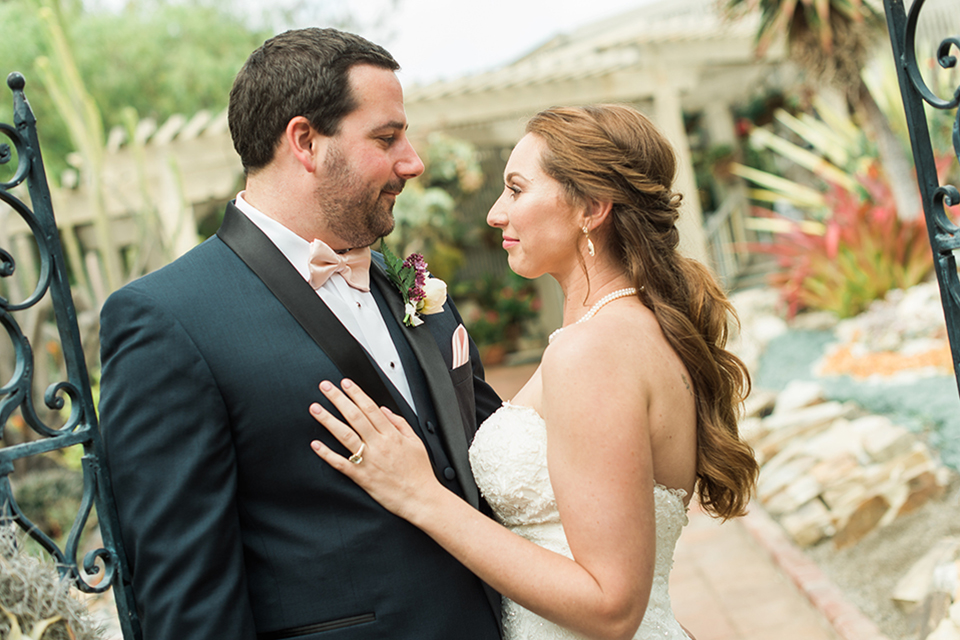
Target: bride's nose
x=497 y=217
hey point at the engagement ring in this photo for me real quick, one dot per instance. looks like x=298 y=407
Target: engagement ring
x=357 y=458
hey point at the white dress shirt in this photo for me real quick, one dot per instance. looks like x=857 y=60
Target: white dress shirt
x=356 y=310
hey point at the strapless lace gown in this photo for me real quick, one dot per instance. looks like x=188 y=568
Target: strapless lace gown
x=509 y=461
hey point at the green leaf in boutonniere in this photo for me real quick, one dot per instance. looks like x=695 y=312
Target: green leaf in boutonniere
x=394 y=265
x=420 y=293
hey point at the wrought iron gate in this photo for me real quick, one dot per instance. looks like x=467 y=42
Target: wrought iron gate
x=943 y=233
x=16 y=394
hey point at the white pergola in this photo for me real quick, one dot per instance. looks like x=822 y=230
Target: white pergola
x=667 y=59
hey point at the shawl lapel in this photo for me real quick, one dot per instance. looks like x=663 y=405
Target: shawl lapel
x=435 y=371
x=269 y=264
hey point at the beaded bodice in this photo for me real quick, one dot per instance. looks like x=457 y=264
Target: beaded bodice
x=509 y=461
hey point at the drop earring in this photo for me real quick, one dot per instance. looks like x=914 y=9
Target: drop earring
x=590 y=248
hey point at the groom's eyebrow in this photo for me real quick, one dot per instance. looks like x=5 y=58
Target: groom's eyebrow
x=393 y=125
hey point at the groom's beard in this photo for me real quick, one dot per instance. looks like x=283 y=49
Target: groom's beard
x=358 y=213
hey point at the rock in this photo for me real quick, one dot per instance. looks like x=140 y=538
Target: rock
x=760 y=322
x=797 y=395
x=839 y=441
x=809 y=524
x=914 y=587
x=945 y=579
x=954 y=612
x=766 y=328
x=786 y=428
x=920 y=490
x=759 y=403
x=802 y=419
x=860 y=521
x=847 y=491
x=909 y=482
x=932 y=617
x=752 y=430
x=791 y=450
x=753 y=337
x=835 y=469
x=901 y=316
x=793 y=496
x=882 y=439
x=947 y=630
x=814 y=321
x=774 y=480
x=752 y=303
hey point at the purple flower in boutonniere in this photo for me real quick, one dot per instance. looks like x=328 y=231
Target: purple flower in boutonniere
x=421 y=293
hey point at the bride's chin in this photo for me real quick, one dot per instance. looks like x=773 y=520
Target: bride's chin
x=519 y=268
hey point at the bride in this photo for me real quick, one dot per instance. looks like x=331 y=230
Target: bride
x=590 y=468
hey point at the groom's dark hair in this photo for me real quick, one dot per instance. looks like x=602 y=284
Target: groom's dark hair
x=303 y=72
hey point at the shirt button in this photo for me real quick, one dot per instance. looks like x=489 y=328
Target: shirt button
x=449 y=473
x=393 y=365
x=430 y=427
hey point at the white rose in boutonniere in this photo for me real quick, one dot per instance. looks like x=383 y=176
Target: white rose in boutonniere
x=435 y=294
x=420 y=293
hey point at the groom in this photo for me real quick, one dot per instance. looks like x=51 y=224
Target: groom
x=233 y=528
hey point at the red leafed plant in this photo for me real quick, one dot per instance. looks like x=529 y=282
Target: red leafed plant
x=855 y=256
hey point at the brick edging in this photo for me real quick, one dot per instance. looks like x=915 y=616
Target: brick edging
x=847 y=620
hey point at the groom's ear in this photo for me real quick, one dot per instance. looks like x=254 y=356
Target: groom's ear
x=307 y=145
x=596 y=213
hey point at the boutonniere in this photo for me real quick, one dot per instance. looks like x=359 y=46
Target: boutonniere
x=421 y=292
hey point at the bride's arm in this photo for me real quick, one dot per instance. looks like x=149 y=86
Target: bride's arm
x=601 y=471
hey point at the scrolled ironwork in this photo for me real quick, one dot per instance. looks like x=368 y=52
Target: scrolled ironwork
x=4 y=153
x=910 y=64
x=16 y=394
x=43 y=246
x=23 y=164
x=943 y=233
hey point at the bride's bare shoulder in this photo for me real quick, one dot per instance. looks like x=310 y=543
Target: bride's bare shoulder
x=607 y=345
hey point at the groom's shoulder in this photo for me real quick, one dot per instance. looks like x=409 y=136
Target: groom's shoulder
x=198 y=266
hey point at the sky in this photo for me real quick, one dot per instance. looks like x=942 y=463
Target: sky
x=438 y=39
x=445 y=39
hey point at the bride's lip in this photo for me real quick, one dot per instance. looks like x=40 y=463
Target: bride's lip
x=509 y=242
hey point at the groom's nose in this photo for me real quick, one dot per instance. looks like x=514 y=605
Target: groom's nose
x=410 y=165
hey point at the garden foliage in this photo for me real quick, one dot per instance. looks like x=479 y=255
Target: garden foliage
x=495 y=307
x=426 y=211
x=855 y=256
x=835 y=229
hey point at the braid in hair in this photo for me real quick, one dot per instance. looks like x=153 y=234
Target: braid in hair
x=613 y=153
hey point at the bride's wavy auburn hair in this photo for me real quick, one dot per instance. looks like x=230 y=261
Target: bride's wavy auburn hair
x=612 y=153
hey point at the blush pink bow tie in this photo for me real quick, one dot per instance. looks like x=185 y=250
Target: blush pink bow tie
x=354 y=266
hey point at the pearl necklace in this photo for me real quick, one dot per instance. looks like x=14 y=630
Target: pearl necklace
x=605 y=300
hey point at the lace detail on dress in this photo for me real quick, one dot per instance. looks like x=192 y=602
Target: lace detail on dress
x=509 y=461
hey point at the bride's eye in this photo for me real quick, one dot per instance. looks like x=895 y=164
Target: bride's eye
x=515 y=191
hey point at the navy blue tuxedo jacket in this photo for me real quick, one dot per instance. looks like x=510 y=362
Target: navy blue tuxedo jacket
x=233 y=527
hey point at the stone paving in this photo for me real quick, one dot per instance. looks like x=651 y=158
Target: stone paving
x=726 y=585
